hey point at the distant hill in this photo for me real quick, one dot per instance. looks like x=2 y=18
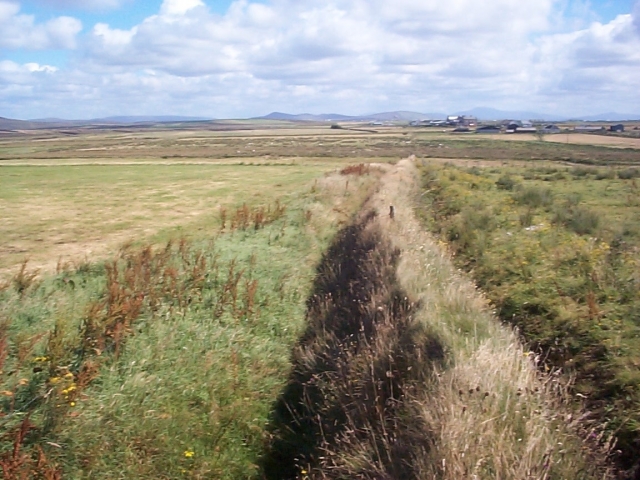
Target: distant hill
x=47 y=123
x=611 y=117
x=125 y=119
x=305 y=117
x=12 y=124
x=402 y=116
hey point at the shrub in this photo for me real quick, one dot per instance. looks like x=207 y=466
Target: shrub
x=526 y=218
x=533 y=196
x=607 y=174
x=628 y=173
x=581 y=171
x=506 y=182
x=583 y=221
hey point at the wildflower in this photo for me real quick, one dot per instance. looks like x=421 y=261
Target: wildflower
x=189 y=453
x=7 y=393
x=72 y=404
x=40 y=359
x=54 y=380
x=23 y=381
x=68 y=375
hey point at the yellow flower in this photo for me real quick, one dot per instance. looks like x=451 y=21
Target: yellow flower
x=303 y=472
x=72 y=404
x=54 y=380
x=68 y=375
x=189 y=453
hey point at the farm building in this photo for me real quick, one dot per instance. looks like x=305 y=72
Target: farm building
x=617 y=128
x=488 y=129
x=462 y=120
x=587 y=128
x=551 y=129
x=517 y=126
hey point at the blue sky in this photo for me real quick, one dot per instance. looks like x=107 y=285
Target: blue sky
x=239 y=58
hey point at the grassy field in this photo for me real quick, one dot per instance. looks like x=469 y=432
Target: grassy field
x=164 y=360
x=192 y=285
x=69 y=212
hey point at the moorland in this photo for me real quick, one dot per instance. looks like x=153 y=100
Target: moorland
x=233 y=300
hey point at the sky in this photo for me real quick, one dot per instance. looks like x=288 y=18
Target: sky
x=80 y=59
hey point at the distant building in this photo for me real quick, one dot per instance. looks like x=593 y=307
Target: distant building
x=462 y=121
x=551 y=129
x=519 y=126
x=587 y=128
x=617 y=128
x=488 y=129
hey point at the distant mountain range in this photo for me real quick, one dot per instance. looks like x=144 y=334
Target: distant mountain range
x=482 y=113
x=12 y=124
x=399 y=116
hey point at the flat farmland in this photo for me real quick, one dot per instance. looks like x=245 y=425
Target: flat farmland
x=68 y=195
x=73 y=212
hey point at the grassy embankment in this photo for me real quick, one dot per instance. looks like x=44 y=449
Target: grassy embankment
x=163 y=360
x=403 y=372
x=556 y=250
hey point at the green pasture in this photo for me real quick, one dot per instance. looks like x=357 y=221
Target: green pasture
x=73 y=211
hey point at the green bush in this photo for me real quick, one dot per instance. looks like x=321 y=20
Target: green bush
x=581 y=171
x=533 y=196
x=580 y=220
x=506 y=182
x=607 y=174
x=629 y=173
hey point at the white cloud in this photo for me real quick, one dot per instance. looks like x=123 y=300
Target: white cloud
x=352 y=56
x=18 y=31
x=179 y=7
x=83 y=4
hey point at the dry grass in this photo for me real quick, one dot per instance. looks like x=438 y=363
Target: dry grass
x=491 y=414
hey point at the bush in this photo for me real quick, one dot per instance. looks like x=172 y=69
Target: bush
x=533 y=196
x=583 y=221
x=629 y=173
x=506 y=182
x=581 y=171
x=607 y=174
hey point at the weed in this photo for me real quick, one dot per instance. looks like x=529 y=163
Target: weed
x=24 y=278
x=358 y=170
